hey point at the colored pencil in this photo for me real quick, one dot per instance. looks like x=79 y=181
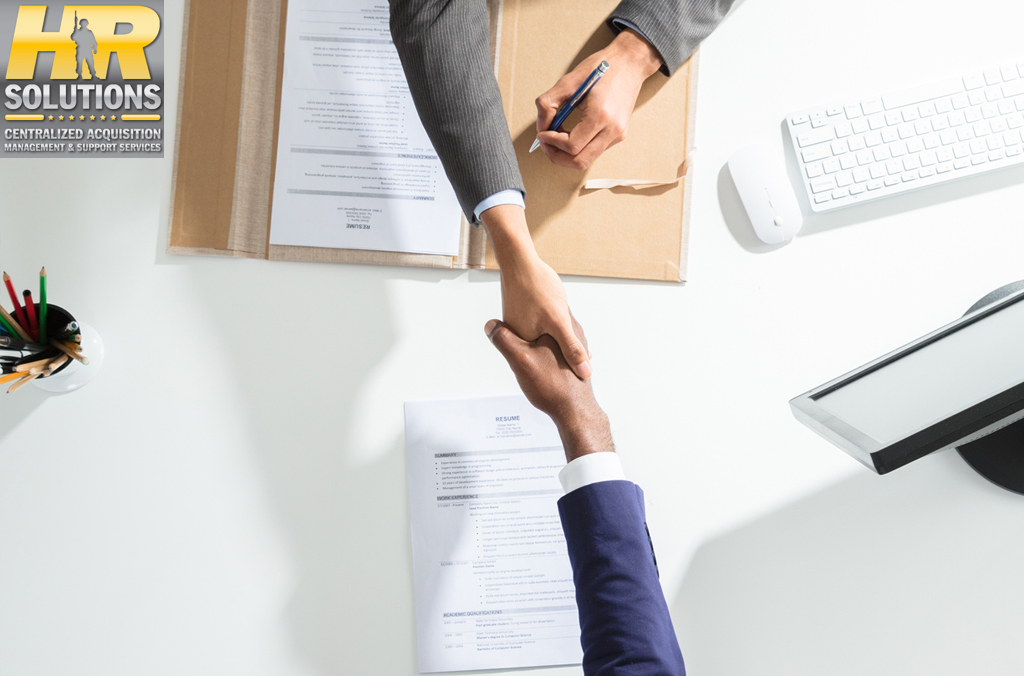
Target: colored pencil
x=33 y=365
x=14 y=299
x=54 y=365
x=69 y=352
x=42 y=306
x=16 y=386
x=30 y=310
x=15 y=325
x=11 y=376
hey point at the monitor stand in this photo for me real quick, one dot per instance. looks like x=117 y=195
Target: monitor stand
x=999 y=457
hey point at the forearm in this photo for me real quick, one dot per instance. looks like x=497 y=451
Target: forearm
x=674 y=27
x=445 y=52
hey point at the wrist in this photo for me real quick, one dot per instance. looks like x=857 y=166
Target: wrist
x=584 y=431
x=637 y=53
x=510 y=236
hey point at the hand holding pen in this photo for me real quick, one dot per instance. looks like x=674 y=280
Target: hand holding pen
x=606 y=109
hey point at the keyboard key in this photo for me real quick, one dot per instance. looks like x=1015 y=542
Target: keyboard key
x=814 y=170
x=833 y=110
x=927 y=173
x=961 y=164
x=822 y=184
x=1008 y=73
x=871 y=106
x=861 y=174
x=922 y=127
x=852 y=111
x=975 y=81
x=881 y=153
x=1014 y=151
x=982 y=129
x=977 y=146
x=910 y=114
x=799 y=119
x=996 y=155
x=932 y=141
x=815 y=153
x=1020 y=68
x=856 y=143
x=944 y=155
x=943 y=105
x=1014 y=121
x=945 y=167
x=960 y=101
x=864 y=157
x=926 y=109
x=1019 y=102
x=872 y=139
x=915 y=145
x=860 y=126
x=994 y=142
x=844 y=178
x=844 y=129
x=894 y=167
x=976 y=98
x=898 y=149
x=893 y=118
x=965 y=133
x=999 y=125
x=1005 y=107
x=961 y=150
x=939 y=123
x=878 y=170
x=856 y=189
x=1013 y=89
x=928 y=158
x=830 y=165
x=848 y=161
x=921 y=94
x=876 y=121
x=891 y=181
x=889 y=135
x=947 y=137
x=909 y=176
x=817 y=122
x=911 y=162
x=992 y=76
x=979 y=159
x=1011 y=138
x=840 y=193
x=993 y=94
x=874 y=185
x=989 y=110
x=819 y=199
x=973 y=114
x=839 y=147
x=811 y=138
x=957 y=118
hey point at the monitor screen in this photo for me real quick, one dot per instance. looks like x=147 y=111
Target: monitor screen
x=935 y=381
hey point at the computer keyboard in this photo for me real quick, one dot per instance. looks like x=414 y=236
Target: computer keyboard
x=886 y=145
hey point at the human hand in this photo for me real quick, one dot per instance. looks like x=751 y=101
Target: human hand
x=606 y=109
x=533 y=298
x=552 y=387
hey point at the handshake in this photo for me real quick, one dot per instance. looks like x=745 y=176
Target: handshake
x=552 y=387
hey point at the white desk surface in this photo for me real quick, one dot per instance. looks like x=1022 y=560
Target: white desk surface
x=229 y=495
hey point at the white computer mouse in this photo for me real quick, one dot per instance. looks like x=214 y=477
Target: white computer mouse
x=767 y=194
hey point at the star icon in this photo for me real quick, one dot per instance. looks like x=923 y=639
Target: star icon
x=92 y=117
x=61 y=118
x=82 y=117
x=103 y=117
x=113 y=117
x=51 y=118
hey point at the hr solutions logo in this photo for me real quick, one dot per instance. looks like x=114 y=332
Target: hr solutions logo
x=82 y=80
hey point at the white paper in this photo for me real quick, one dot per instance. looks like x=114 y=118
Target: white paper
x=355 y=168
x=493 y=582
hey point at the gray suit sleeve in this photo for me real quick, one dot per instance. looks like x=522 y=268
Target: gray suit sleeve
x=674 y=27
x=445 y=51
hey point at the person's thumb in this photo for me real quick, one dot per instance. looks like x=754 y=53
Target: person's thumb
x=574 y=352
x=508 y=343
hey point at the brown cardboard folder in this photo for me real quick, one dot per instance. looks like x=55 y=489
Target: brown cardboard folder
x=228 y=111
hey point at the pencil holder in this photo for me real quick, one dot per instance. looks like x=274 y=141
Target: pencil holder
x=73 y=372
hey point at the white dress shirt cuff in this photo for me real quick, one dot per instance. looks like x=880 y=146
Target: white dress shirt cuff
x=590 y=469
x=499 y=198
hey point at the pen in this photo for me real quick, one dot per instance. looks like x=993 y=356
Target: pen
x=574 y=100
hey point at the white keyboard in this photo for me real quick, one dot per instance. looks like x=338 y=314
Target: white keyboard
x=886 y=145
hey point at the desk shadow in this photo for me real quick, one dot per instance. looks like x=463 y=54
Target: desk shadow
x=17 y=407
x=343 y=514
x=897 y=204
x=915 y=572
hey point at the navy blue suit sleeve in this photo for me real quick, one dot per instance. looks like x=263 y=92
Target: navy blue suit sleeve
x=624 y=620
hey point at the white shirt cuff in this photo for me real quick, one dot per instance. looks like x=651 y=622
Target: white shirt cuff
x=499 y=198
x=591 y=469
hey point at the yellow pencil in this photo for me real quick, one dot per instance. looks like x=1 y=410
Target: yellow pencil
x=40 y=363
x=11 y=376
x=16 y=386
x=54 y=365
x=69 y=352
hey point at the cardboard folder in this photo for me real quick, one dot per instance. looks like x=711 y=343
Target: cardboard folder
x=226 y=141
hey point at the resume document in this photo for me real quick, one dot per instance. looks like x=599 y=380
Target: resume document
x=355 y=168
x=493 y=583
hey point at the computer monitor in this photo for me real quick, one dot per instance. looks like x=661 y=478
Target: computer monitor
x=950 y=387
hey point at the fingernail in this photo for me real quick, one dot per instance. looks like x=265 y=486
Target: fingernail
x=489 y=327
x=584 y=370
